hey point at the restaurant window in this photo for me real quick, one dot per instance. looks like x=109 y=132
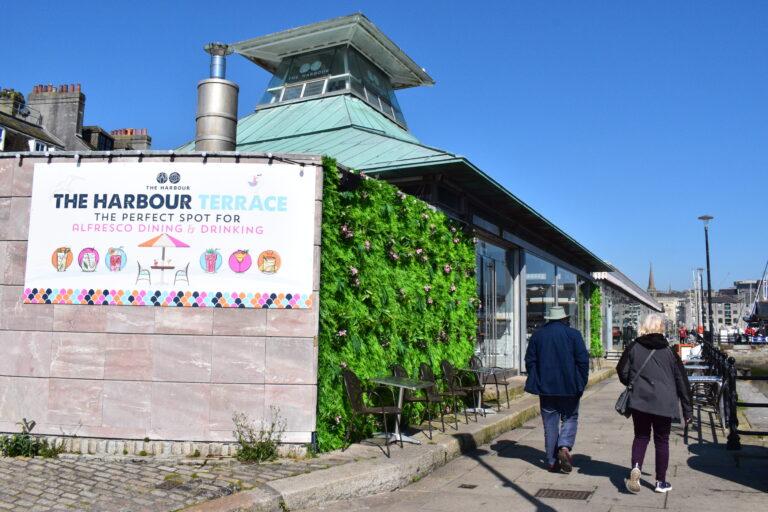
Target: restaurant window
x=539 y=290
x=496 y=337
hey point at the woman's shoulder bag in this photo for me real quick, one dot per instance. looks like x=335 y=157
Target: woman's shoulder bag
x=622 y=404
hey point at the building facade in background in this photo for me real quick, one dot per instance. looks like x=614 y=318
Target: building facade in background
x=333 y=92
x=51 y=118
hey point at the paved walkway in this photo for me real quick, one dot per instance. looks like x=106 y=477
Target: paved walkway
x=507 y=474
x=88 y=484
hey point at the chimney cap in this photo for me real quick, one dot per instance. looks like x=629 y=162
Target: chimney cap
x=218 y=48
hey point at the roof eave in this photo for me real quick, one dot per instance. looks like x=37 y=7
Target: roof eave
x=347 y=26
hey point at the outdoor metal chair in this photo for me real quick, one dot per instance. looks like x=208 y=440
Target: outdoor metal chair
x=453 y=383
x=425 y=373
x=475 y=363
x=355 y=393
x=143 y=274
x=708 y=396
x=430 y=397
x=182 y=275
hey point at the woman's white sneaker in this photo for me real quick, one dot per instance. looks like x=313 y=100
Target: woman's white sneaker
x=633 y=483
x=663 y=487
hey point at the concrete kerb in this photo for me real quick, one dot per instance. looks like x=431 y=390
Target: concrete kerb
x=375 y=475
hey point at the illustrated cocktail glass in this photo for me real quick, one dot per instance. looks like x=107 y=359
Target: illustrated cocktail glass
x=89 y=262
x=240 y=256
x=115 y=261
x=61 y=260
x=210 y=261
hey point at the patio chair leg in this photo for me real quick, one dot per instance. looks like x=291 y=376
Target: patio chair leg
x=429 y=419
x=456 y=412
x=442 y=415
x=498 y=396
x=348 y=434
x=466 y=416
x=386 y=433
x=506 y=391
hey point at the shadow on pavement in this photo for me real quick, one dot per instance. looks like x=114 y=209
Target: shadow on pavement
x=583 y=464
x=476 y=455
x=747 y=467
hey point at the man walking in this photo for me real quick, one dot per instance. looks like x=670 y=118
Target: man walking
x=557 y=363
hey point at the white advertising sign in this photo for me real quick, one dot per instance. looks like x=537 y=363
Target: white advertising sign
x=172 y=234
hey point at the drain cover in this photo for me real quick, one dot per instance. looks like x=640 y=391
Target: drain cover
x=467 y=486
x=563 y=494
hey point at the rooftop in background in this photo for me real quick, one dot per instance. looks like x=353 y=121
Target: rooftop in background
x=619 y=280
x=333 y=93
x=354 y=30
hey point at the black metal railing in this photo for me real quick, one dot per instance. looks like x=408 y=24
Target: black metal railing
x=725 y=367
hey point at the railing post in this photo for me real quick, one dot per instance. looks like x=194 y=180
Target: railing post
x=734 y=442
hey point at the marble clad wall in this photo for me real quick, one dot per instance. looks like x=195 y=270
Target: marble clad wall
x=130 y=372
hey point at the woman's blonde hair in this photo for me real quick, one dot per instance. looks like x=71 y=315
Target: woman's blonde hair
x=652 y=324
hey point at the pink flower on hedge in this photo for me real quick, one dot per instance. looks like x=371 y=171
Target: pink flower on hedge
x=429 y=300
x=394 y=255
x=419 y=250
x=353 y=271
x=341 y=334
x=456 y=240
x=427 y=288
x=400 y=195
x=343 y=364
x=356 y=282
x=453 y=288
x=346 y=231
x=453 y=229
x=367 y=245
x=402 y=291
x=424 y=216
x=447 y=268
x=337 y=419
x=424 y=257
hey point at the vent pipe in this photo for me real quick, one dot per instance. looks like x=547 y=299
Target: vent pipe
x=216 y=121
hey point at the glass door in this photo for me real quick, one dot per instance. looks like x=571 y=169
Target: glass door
x=496 y=345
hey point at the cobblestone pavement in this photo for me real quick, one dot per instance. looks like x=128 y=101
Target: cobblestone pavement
x=87 y=484
x=508 y=474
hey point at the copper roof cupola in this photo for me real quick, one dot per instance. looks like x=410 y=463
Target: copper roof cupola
x=347 y=55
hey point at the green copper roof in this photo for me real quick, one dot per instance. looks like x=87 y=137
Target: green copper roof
x=343 y=127
x=357 y=136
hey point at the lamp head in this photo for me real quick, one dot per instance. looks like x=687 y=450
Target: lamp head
x=705 y=219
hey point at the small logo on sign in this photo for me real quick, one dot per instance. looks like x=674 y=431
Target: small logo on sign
x=162 y=177
x=174 y=177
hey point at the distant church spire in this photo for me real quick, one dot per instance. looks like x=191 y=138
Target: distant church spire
x=651 y=282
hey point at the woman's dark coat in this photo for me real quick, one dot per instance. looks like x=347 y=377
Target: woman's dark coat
x=663 y=382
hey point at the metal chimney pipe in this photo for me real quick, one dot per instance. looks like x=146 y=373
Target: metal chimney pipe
x=216 y=121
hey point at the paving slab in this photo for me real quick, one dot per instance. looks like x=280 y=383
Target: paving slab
x=506 y=473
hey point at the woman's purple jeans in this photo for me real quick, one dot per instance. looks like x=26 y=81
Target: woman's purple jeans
x=661 y=428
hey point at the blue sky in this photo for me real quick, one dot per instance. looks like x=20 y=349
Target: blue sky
x=620 y=121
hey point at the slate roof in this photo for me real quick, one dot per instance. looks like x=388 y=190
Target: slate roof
x=31 y=130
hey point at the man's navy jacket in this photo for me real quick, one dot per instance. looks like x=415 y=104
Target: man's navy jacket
x=557 y=361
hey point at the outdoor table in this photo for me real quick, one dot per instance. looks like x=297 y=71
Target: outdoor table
x=698 y=367
x=481 y=371
x=402 y=384
x=162 y=269
x=694 y=360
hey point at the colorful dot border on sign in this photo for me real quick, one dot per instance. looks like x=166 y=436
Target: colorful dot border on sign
x=192 y=299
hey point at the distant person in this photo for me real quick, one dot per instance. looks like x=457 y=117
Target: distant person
x=682 y=334
x=557 y=363
x=654 y=398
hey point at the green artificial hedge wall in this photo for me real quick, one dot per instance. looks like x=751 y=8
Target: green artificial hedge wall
x=397 y=285
x=595 y=323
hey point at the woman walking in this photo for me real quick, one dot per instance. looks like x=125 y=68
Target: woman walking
x=659 y=382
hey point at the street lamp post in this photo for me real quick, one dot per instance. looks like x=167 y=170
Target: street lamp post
x=699 y=275
x=706 y=219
